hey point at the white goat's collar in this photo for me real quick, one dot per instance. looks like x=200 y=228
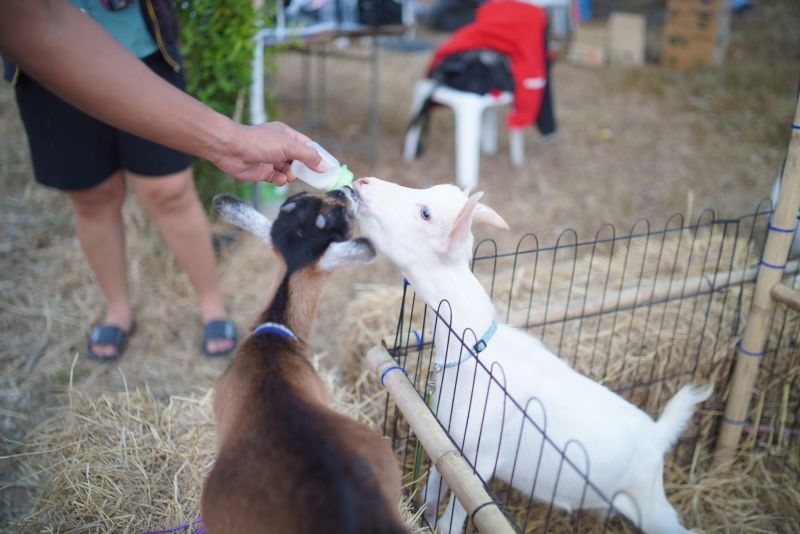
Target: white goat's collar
x=478 y=347
x=275 y=328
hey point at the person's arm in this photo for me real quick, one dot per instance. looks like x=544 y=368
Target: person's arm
x=67 y=52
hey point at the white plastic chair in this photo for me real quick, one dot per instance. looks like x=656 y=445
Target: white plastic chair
x=475 y=125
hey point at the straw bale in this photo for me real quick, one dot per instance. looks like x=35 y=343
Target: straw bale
x=758 y=494
x=132 y=461
x=125 y=462
x=369 y=317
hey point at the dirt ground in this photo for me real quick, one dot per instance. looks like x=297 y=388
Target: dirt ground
x=632 y=143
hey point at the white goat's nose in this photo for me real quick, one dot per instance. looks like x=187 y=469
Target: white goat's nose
x=362 y=181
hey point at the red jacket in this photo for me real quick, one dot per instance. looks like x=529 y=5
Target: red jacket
x=517 y=30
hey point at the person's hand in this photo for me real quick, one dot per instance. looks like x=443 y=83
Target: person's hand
x=264 y=153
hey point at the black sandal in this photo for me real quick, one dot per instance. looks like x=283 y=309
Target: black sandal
x=219 y=329
x=108 y=334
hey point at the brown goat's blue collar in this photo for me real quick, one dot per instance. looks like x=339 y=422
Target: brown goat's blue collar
x=275 y=328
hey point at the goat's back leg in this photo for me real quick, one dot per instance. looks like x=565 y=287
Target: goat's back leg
x=662 y=518
x=652 y=512
x=454 y=517
x=435 y=490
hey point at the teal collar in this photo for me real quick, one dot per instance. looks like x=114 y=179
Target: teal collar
x=478 y=347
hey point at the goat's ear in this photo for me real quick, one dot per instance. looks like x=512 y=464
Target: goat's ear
x=486 y=215
x=244 y=216
x=462 y=226
x=342 y=253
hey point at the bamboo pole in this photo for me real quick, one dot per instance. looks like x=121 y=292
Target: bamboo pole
x=634 y=297
x=445 y=456
x=645 y=295
x=786 y=295
x=754 y=338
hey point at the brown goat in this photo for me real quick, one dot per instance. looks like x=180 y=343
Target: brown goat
x=286 y=461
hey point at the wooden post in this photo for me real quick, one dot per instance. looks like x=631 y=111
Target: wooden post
x=786 y=295
x=751 y=347
x=445 y=456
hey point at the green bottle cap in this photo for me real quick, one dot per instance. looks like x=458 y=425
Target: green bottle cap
x=344 y=177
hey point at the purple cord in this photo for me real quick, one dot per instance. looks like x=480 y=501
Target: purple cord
x=763 y=429
x=199 y=530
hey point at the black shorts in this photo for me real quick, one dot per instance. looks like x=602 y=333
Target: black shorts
x=71 y=150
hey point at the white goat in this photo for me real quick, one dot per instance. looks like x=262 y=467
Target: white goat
x=427 y=233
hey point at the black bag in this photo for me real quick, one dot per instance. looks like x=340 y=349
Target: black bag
x=477 y=71
x=380 y=12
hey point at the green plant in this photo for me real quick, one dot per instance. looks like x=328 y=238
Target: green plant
x=217 y=42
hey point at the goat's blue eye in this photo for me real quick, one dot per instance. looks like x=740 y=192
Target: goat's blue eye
x=426 y=213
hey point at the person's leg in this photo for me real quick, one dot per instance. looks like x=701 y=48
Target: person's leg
x=98 y=224
x=173 y=203
x=546 y=120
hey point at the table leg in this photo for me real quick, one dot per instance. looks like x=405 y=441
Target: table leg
x=374 y=129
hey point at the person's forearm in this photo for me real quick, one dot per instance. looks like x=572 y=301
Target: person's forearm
x=67 y=52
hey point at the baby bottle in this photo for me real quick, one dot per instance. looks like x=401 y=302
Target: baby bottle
x=333 y=177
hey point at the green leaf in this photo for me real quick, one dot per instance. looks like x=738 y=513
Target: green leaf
x=216 y=38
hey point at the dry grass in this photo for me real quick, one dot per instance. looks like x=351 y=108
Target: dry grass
x=719 y=133
x=757 y=495
x=130 y=462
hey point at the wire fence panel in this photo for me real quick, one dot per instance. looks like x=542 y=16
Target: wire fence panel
x=642 y=313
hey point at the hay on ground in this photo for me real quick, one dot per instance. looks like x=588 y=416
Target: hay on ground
x=132 y=462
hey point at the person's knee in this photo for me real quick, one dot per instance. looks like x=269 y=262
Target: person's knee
x=168 y=195
x=105 y=197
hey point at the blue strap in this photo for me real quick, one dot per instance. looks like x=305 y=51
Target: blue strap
x=480 y=346
x=734 y=422
x=392 y=368
x=746 y=352
x=796 y=126
x=438 y=366
x=777 y=229
x=419 y=340
x=772 y=265
x=275 y=328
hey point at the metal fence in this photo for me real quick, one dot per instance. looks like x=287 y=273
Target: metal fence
x=643 y=313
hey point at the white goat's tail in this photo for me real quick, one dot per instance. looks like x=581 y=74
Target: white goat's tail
x=678 y=411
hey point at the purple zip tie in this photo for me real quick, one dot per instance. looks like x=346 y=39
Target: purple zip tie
x=392 y=368
x=778 y=229
x=200 y=530
x=419 y=340
x=763 y=429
